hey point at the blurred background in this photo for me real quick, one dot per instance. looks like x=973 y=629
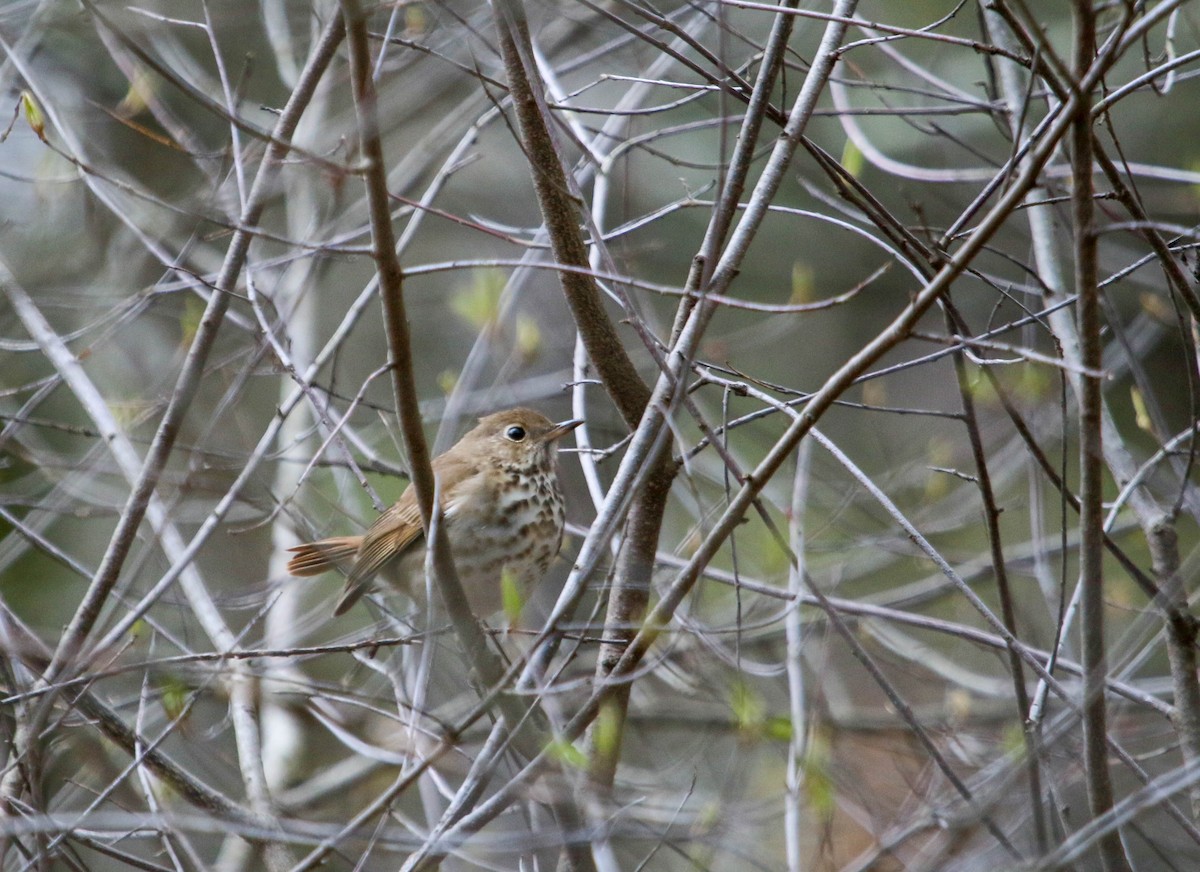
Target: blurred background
x=756 y=736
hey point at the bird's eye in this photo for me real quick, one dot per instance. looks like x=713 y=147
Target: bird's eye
x=515 y=434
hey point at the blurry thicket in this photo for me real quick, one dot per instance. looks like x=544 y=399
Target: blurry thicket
x=887 y=727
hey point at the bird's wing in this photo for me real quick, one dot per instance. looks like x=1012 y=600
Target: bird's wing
x=398 y=530
x=393 y=533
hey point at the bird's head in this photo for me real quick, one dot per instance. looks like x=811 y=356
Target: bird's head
x=518 y=437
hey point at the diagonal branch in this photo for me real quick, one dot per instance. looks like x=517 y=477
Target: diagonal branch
x=560 y=200
x=189 y=377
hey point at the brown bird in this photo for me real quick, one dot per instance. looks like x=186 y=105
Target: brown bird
x=501 y=506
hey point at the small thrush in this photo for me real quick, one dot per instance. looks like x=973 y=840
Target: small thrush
x=501 y=505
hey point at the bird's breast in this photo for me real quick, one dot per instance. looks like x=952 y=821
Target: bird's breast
x=509 y=519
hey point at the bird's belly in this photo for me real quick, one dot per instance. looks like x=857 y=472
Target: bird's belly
x=517 y=538
x=486 y=554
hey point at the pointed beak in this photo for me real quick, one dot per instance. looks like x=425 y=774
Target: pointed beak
x=562 y=429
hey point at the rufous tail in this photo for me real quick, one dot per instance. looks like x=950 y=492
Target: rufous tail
x=313 y=558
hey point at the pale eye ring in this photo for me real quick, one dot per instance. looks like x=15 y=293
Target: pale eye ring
x=515 y=433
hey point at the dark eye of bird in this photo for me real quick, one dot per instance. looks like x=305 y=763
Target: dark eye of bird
x=515 y=434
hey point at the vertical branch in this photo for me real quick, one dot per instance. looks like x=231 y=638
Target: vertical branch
x=1156 y=523
x=1181 y=645
x=395 y=317
x=483 y=663
x=528 y=728
x=626 y=609
x=991 y=515
x=794 y=634
x=1091 y=453
x=283 y=625
x=383 y=250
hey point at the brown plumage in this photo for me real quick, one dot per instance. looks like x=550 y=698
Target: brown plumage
x=501 y=505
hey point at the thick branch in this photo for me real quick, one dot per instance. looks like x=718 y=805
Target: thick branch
x=559 y=203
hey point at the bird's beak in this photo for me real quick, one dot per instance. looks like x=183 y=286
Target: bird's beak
x=562 y=429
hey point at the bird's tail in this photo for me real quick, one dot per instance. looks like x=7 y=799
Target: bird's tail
x=313 y=558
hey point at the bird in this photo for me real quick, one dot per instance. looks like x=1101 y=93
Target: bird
x=501 y=505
